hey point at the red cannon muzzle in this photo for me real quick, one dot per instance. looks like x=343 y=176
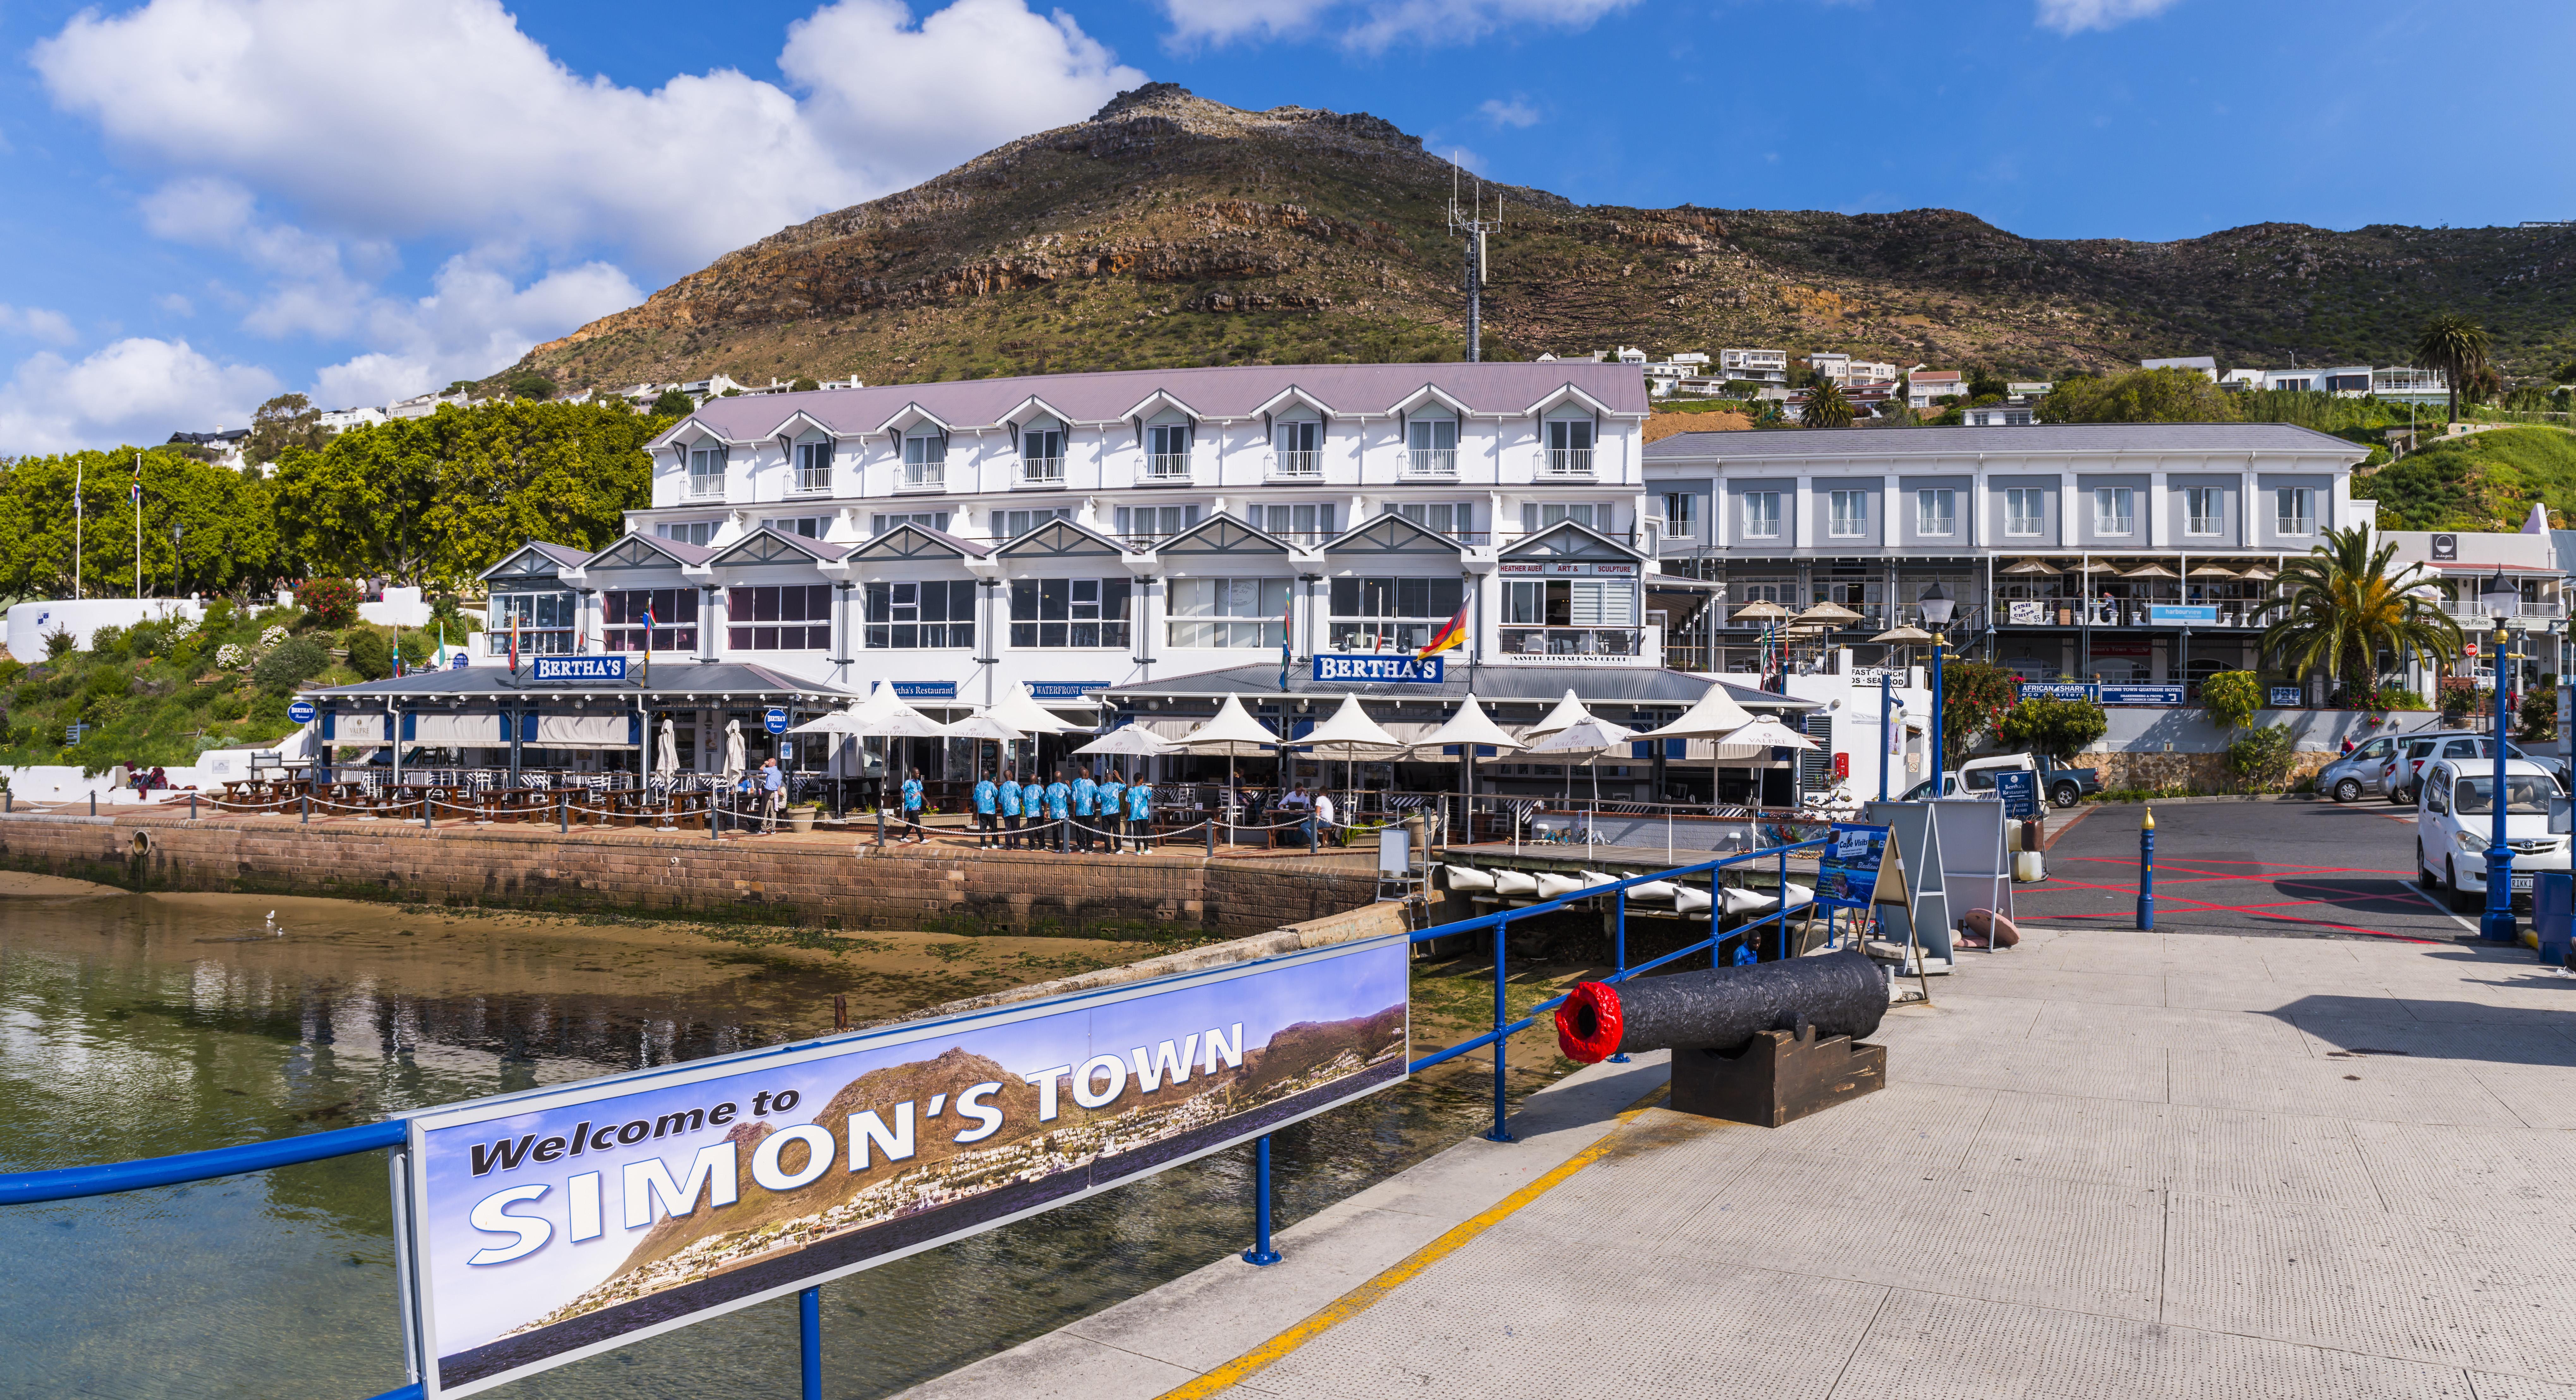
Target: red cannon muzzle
x=1587 y=1024
x=1840 y=993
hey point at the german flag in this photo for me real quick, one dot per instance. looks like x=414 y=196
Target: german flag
x=1452 y=633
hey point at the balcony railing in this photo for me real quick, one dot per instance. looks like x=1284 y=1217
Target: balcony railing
x=1573 y=641
x=813 y=481
x=1041 y=471
x=1432 y=461
x=923 y=476
x=1569 y=461
x=1292 y=464
x=1167 y=466
x=2471 y=610
x=704 y=487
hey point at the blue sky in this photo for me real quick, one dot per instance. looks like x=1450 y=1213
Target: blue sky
x=217 y=200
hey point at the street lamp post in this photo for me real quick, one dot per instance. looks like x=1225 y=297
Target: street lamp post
x=1937 y=606
x=2503 y=599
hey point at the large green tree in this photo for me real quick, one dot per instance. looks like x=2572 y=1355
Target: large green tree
x=2343 y=604
x=2457 y=346
x=289 y=420
x=205 y=528
x=2141 y=396
x=437 y=500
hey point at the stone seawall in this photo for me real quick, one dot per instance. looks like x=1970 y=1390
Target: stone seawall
x=828 y=881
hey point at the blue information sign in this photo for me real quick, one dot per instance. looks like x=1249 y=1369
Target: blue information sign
x=775 y=721
x=1847 y=872
x=2285 y=697
x=2056 y=690
x=2142 y=695
x=1064 y=690
x=926 y=690
x=1395 y=668
x=301 y=712
x=456 y=662
x=2019 y=789
x=2176 y=615
x=579 y=670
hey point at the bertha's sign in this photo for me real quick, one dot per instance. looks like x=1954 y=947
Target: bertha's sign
x=580 y=670
x=1397 y=668
x=542 y=1227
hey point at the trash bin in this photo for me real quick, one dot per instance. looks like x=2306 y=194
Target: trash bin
x=2553 y=899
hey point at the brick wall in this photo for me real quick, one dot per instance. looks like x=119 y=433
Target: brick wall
x=825 y=880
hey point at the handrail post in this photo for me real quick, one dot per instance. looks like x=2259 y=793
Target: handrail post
x=306 y=819
x=1211 y=833
x=1261 y=1254
x=1619 y=952
x=1784 y=904
x=192 y=806
x=1502 y=1043
x=809 y=1328
x=563 y=812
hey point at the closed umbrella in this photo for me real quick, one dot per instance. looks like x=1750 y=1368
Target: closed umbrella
x=734 y=752
x=667 y=761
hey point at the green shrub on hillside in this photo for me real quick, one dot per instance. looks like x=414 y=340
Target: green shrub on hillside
x=2485 y=481
x=370 y=655
x=2055 y=729
x=2261 y=757
x=2231 y=698
x=293 y=662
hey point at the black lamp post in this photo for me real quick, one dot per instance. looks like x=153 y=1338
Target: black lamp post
x=1937 y=606
x=2502 y=598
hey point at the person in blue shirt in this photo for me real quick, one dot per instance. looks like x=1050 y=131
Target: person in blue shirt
x=1086 y=793
x=1010 y=799
x=987 y=811
x=912 y=806
x=1033 y=809
x=1113 y=808
x=1059 y=799
x=773 y=796
x=1140 y=812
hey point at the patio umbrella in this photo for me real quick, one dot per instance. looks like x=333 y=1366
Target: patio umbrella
x=2258 y=574
x=1351 y=735
x=2211 y=572
x=1021 y=711
x=2149 y=570
x=1471 y=725
x=1833 y=613
x=2025 y=568
x=1568 y=711
x=734 y=753
x=1908 y=635
x=1714 y=717
x=667 y=761
x=1233 y=733
x=982 y=729
x=1761 y=610
x=1130 y=739
x=1591 y=736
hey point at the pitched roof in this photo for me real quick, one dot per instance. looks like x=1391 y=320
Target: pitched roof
x=2037 y=439
x=1221 y=391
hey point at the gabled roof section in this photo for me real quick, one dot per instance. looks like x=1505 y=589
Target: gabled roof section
x=692 y=429
x=1429 y=395
x=1059 y=539
x=912 y=415
x=768 y=545
x=1032 y=407
x=1568 y=540
x=1294 y=397
x=1220 y=534
x=798 y=424
x=534 y=560
x=1393 y=534
x=1153 y=404
x=635 y=551
x=1570 y=392
x=918 y=542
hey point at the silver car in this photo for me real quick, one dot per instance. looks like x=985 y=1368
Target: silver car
x=2356 y=774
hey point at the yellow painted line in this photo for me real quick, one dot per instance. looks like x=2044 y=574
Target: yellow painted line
x=1376 y=1290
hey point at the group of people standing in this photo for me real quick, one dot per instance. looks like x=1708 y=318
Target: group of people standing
x=1009 y=812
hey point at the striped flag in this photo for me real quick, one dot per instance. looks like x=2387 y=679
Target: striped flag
x=1453 y=633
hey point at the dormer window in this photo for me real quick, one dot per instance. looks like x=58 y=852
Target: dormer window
x=1569 y=447
x=1167 y=451
x=925 y=462
x=1042 y=453
x=706 y=472
x=1299 y=449
x=814 y=467
x=1434 y=444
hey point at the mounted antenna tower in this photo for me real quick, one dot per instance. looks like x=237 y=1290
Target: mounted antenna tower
x=1471 y=226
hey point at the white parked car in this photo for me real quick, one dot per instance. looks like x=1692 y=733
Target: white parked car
x=2455 y=819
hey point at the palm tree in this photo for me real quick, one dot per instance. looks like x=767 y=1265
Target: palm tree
x=1826 y=407
x=2455 y=345
x=2341 y=606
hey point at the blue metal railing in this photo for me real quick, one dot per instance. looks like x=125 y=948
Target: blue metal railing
x=68 y=1183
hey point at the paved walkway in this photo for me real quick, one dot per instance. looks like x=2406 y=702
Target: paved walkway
x=2107 y=1164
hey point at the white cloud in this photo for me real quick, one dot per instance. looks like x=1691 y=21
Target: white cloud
x=477 y=320
x=1514 y=113
x=1374 y=25
x=175 y=304
x=395 y=119
x=2076 y=16
x=134 y=391
x=36 y=323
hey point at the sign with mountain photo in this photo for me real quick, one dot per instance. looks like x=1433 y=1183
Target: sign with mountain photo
x=545 y=1226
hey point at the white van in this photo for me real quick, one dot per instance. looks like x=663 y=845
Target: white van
x=2455 y=819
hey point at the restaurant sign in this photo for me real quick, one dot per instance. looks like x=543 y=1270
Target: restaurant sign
x=925 y=690
x=541 y=1227
x=579 y=670
x=1559 y=568
x=1391 y=668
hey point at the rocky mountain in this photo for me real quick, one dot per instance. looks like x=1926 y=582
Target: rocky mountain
x=1169 y=229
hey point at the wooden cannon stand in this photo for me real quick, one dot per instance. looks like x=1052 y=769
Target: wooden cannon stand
x=1777 y=1077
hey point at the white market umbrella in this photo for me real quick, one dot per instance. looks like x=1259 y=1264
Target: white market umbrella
x=1471 y=725
x=1758 y=739
x=1132 y=740
x=1233 y=733
x=1021 y=711
x=1350 y=735
x=1591 y=736
x=983 y=729
x=1714 y=717
x=1568 y=711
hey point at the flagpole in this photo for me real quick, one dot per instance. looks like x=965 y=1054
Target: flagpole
x=137 y=495
x=77 y=469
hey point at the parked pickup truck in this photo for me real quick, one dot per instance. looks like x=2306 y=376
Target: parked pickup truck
x=2062 y=787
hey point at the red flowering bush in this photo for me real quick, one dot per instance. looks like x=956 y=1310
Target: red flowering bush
x=332 y=601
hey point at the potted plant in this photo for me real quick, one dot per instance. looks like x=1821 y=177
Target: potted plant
x=800 y=816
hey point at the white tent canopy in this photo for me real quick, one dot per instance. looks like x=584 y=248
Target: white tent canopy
x=983 y=727
x=1233 y=733
x=1716 y=714
x=1021 y=711
x=1129 y=739
x=1471 y=725
x=1351 y=734
x=1764 y=735
x=1568 y=711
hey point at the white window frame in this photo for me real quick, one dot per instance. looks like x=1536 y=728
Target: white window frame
x=707 y=472
x=1564 y=457
x=1042 y=468
x=2025 y=512
x=1167 y=451
x=1761 y=514
x=1220 y=629
x=1297 y=448
x=1848 y=515
x=814 y=468
x=1936 y=511
x=2294 y=511
x=2201 y=510
x=2115 y=510
x=1432 y=447
x=925 y=462
x=1681 y=515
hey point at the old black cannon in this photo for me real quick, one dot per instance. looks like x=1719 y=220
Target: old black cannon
x=1766 y=1043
